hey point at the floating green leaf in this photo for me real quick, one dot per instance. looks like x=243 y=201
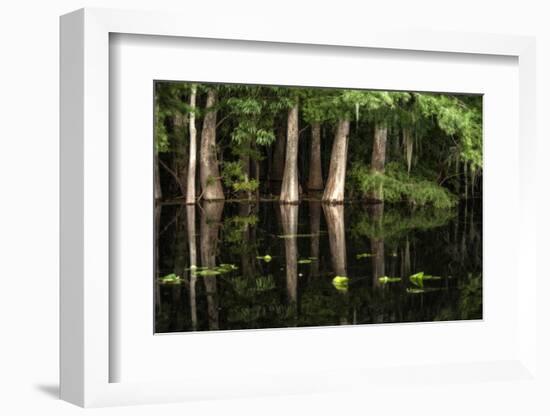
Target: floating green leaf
x=340 y=283
x=304 y=261
x=386 y=279
x=171 y=278
x=417 y=279
x=363 y=255
x=267 y=258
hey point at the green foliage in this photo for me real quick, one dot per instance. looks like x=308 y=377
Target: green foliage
x=398 y=186
x=234 y=178
x=442 y=144
x=459 y=117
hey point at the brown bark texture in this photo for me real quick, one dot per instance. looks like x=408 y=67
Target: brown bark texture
x=334 y=189
x=289 y=187
x=378 y=161
x=278 y=165
x=192 y=168
x=315 y=178
x=210 y=174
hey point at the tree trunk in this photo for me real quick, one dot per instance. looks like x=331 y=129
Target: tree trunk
x=278 y=165
x=181 y=158
x=210 y=174
x=191 y=171
x=334 y=215
x=408 y=139
x=289 y=188
x=334 y=190
x=210 y=225
x=289 y=221
x=378 y=160
x=158 y=188
x=315 y=178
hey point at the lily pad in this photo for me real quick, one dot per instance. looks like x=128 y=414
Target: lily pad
x=267 y=258
x=386 y=279
x=340 y=283
x=417 y=279
x=363 y=255
x=171 y=278
x=304 y=261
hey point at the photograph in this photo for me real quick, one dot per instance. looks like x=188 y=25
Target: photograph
x=304 y=206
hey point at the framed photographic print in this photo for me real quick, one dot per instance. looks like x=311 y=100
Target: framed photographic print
x=274 y=213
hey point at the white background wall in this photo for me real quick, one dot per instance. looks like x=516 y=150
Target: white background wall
x=29 y=56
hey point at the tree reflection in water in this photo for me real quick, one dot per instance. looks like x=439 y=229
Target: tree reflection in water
x=268 y=265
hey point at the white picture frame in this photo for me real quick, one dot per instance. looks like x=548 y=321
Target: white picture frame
x=85 y=216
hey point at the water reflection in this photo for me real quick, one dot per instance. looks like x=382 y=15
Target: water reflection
x=191 y=238
x=289 y=224
x=265 y=265
x=334 y=215
x=211 y=215
x=376 y=214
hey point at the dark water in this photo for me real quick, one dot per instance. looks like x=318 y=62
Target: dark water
x=265 y=265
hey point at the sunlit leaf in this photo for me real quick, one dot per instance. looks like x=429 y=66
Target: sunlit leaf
x=386 y=279
x=267 y=258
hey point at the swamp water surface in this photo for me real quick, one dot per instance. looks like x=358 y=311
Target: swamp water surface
x=242 y=265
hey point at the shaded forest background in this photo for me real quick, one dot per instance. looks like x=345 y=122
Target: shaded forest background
x=222 y=141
